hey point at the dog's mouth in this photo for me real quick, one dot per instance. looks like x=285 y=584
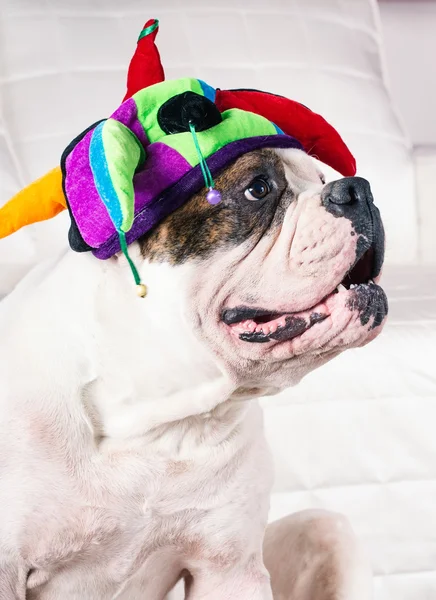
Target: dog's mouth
x=252 y=324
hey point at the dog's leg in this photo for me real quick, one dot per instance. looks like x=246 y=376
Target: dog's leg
x=249 y=582
x=314 y=555
x=311 y=555
x=12 y=581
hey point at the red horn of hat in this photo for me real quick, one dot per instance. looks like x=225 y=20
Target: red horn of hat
x=145 y=68
x=318 y=138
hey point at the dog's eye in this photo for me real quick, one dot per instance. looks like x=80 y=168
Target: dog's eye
x=321 y=176
x=257 y=190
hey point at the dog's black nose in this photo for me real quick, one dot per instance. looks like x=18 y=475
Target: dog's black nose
x=346 y=191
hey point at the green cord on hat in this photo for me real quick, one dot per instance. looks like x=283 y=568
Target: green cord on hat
x=213 y=196
x=203 y=164
x=140 y=287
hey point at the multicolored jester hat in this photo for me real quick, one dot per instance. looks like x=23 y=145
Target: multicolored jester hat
x=166 y=141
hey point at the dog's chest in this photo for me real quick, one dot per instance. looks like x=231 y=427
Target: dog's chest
x=98 y=549
x=147 y=513
x=102 y=553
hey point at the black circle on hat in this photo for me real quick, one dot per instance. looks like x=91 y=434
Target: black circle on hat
x=175 y=115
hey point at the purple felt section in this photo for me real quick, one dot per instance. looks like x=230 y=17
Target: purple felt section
x=163 y=167
x=174 y=197
x=88 y=210
x=127 y=114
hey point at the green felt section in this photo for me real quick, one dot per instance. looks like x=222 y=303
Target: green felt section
x=125 y=251
x=236 y=125
x=123 y=153
x=149 y=29
x=150 y=99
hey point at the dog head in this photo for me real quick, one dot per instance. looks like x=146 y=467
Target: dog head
x=281 y=275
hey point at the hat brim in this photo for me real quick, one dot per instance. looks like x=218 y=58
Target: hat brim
x=188 y=185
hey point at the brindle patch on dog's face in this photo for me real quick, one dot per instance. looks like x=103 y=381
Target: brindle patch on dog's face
x=264 y=269
x=198 y=229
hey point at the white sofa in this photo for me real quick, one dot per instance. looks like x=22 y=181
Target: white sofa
x=358 y=435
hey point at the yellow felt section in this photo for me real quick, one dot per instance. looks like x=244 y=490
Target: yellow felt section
x=39 y=201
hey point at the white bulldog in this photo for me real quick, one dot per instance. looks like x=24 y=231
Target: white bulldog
x=132 y=452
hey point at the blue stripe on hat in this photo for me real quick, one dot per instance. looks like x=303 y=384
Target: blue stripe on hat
x=208 y=91
x=279 y=131
x=102 y=178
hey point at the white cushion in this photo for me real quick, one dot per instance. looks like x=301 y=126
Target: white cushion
x=17 y=253
x=408 y=31
x=425 y=169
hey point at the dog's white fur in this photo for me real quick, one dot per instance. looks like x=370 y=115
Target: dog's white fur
x=93 y=406
x=126 y=457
